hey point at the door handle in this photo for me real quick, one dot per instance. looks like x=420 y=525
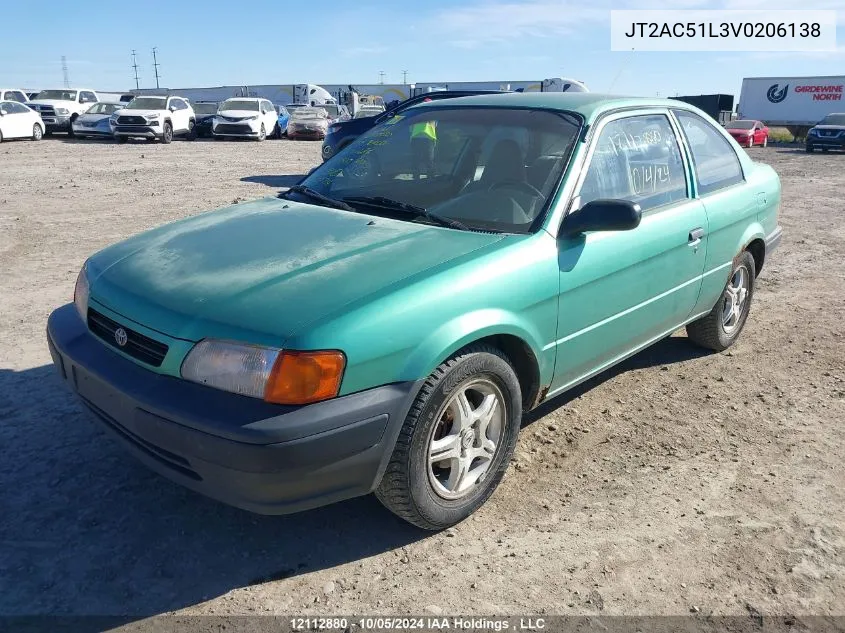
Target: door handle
x=695 y=236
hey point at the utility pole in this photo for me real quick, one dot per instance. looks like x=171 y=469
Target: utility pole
x=135 y=66
x=65 y=72
x=156 y=65
x=381 y=76
x=405 y=77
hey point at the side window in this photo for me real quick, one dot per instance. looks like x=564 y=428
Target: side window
x=6 y=108
x=14 y=95
x=636 y=159
x=179 y=104
x=716 y=163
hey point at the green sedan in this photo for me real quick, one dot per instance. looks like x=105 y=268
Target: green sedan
x=384 y=325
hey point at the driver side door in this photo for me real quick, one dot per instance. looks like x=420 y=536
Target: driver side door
x=621 y=290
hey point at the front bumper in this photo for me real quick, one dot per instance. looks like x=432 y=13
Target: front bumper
x=92 y=131
x=302 y=132
x=142 y=131
x=266 y=458
x=54 y=123
x=822 y=141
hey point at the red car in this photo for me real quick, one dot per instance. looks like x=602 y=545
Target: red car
x=748 y=133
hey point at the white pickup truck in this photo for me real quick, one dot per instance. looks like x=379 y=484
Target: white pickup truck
x=59 y=108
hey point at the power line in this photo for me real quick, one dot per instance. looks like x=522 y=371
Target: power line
x=156 y=65
x=135 y=66
x=65 y=72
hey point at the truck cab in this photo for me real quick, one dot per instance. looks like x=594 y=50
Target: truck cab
x=60 y=108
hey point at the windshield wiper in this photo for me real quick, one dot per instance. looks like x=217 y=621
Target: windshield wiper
x=326 y=201
x=396 y=205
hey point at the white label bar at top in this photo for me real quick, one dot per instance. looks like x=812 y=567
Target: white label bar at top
x=740 y=30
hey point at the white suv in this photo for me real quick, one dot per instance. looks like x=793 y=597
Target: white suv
x=243 y=117
x=154 y=117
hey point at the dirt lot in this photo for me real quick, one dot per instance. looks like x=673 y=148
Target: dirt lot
x=679 y=481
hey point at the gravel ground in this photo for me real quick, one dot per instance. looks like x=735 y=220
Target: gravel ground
x=680 y=481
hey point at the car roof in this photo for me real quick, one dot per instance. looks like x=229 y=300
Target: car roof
x=588 y=104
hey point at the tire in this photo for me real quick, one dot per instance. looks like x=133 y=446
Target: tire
x=712 y=331
x=810 y=149
x=37 y=132
x=750 y=142
x=121 y=139
x=70 y=132
x=765 y=141
x=825 y=150
x=262 y=133
x=1 y=136
x=431 y=496
x=167 y=133
x=192 y=134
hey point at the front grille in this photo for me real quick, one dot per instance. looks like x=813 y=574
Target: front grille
x=137 y=345
x=132 y=129
x=48 y=110
x=228 y=128
x=131 y=120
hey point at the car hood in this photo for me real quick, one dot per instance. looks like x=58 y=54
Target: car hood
x=51 y=102
x=238 y=114
x=836 y=128
x=262 y=271
x=92 y=118
x=133 y=112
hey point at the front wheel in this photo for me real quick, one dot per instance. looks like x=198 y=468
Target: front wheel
x=456 y=442
x=167 y=133
x=765 y=141
x=121 y=139
x=722 y=326
x=810 y=149
x=751 y=142
x=262 y=133
x=37 y=132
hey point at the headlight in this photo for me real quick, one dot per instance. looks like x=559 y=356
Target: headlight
x=81 y=292
x=152 y=116
x=813 y=131
x=278 y=376
x=62 y=111
x=251 y=118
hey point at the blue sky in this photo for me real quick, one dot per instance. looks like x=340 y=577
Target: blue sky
x=350 y=42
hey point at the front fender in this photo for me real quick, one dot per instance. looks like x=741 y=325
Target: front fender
x=467 y=328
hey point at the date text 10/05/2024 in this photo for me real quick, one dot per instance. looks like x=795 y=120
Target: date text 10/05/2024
x=456 y=623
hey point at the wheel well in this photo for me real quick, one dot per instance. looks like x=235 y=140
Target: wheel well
x=757 y=248
x=524 y=363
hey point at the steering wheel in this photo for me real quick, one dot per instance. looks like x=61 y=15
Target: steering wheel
x=519 y=184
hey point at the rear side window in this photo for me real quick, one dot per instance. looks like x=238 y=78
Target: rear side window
x=716 y=163
x=636 y=159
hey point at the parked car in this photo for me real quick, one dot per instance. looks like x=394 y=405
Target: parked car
x=60 y=108
x=309 y=122
x=342 y=134
x=369 y=111
x=155 y=117
x=283 y=116
x=244 y=117
x=369 y=332
x=96 y=121
x=336 y=112
x=13 y=95
x=204 y=111
x=828 y=134
x=19 y=121
x=748 y=132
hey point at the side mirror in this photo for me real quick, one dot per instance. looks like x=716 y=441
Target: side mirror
x=603 y=215
x=172 y=108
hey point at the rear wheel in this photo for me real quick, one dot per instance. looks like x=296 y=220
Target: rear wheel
x=37 y=132
x=192 y=134
x=722 y=326
x=456 y=441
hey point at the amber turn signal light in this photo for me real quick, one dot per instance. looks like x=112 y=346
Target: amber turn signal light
x=305 y=377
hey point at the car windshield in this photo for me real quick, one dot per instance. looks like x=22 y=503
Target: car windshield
x=486 y=168
x=741 y=125
x=239 y=104
x=104 y=108
x=60 y=95
x=332 y=109
x=833 y=119
x=205 y=108
x=309 y=113
x=147 y=103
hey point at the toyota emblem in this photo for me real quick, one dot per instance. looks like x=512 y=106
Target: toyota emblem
x=120 y=336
